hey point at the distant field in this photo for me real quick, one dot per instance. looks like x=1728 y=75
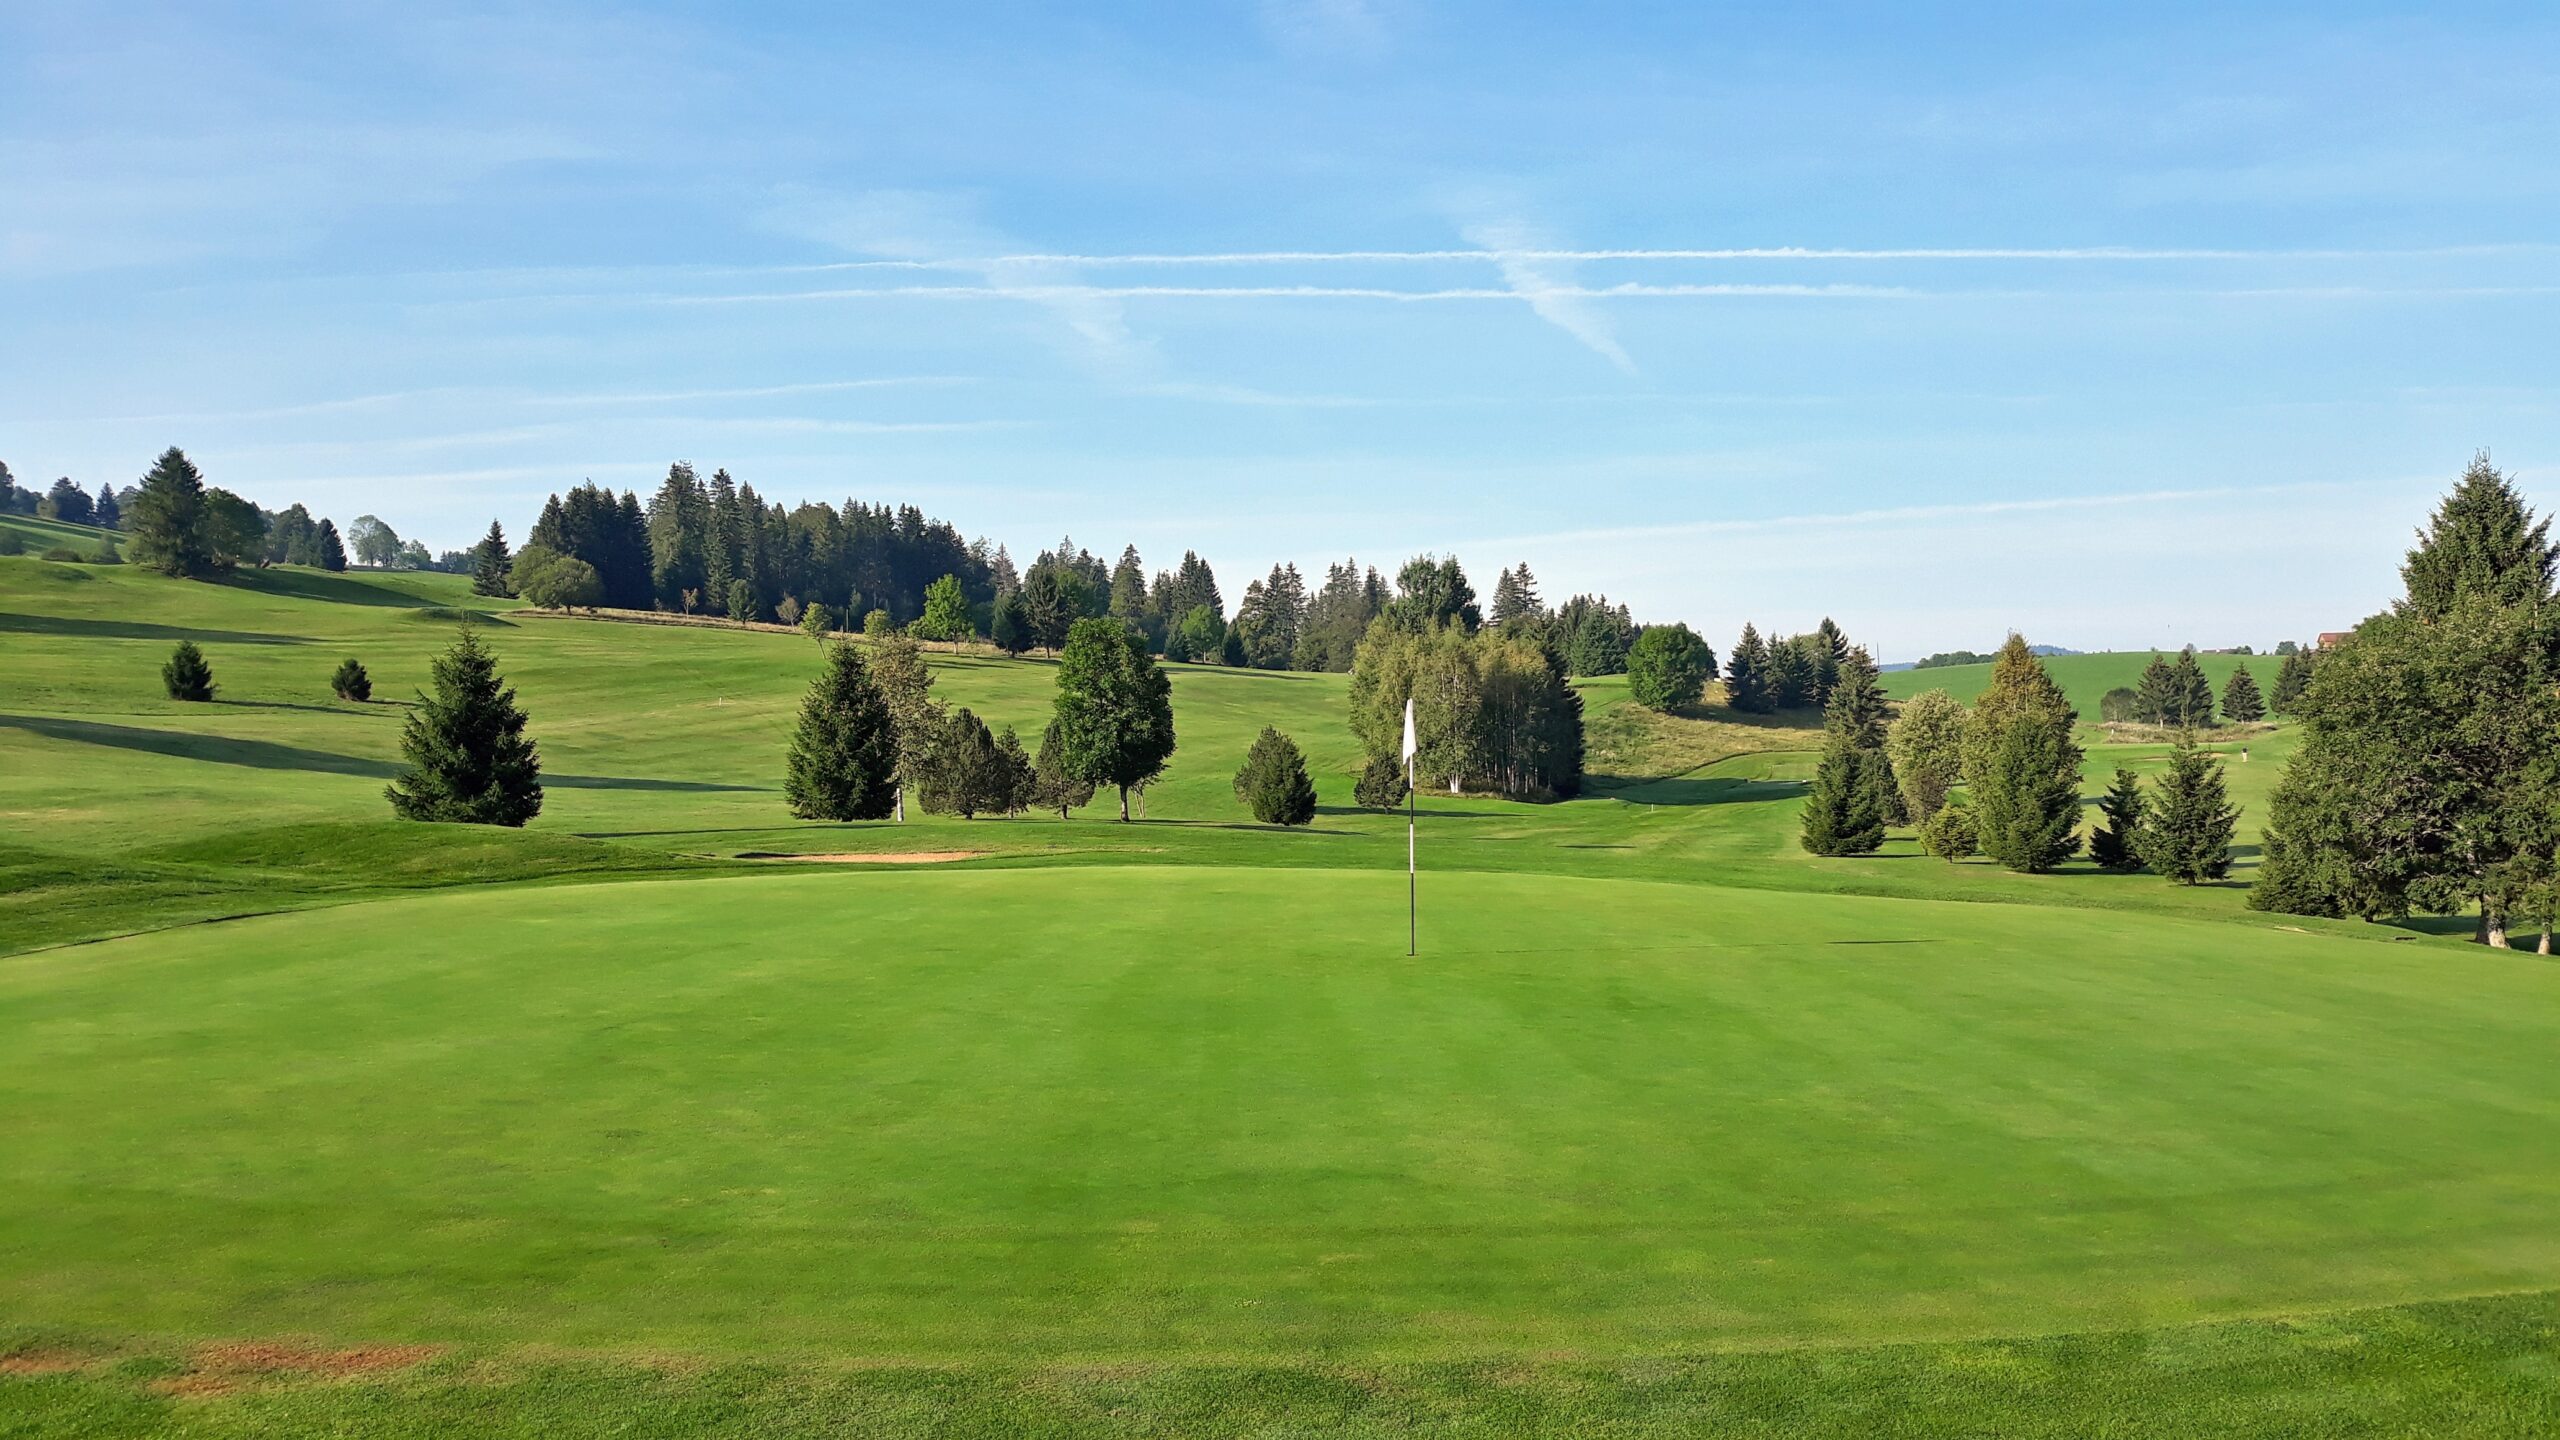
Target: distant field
x=598 y=1128
x=2085 y=678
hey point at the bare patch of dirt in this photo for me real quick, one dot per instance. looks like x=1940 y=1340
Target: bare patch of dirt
x=236 y=1365
x=42 y=1362
x=873 y=857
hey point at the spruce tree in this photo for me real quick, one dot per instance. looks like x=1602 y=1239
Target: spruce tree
x=1053 y=787
x=844 y=754
x=1273 y=782
x=1746 y=674
x=1596 y=648
x=170 y=533
x=1009 y=625
x=2022 y=766
x=2292 y=678
x=1853 y=792
x=104 y=512
x=2155 y=694
x=967 y=773
x=469 y=759
x=1021 y=777
x=2190 y=695
x=2186 y=834
x=187 y=676
x=2483 y=540
x=489 y=562
x=351 y=682
x=332 y=552
x=1381 y=784
x=2241 y=704
x=2116 y=843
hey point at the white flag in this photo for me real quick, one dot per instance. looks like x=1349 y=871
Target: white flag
x=1411 y=745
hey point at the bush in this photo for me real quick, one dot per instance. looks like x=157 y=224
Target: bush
x=1381 y=785
x=351 y=682
x=106 y=553
x=12 y=543
x=63 y=553
x=788 y=612
x=545 y=577
x=187 y=675
x=876 y=626
x=1949 y=834
x=2117 y=706
x=1668 y=667
x=1273 y=782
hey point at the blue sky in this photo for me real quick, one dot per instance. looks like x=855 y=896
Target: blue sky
x=2121 y=326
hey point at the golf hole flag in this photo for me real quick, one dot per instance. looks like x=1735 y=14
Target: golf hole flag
x=1412 y=872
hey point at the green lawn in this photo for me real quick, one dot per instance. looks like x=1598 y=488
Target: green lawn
x=1153 y=1129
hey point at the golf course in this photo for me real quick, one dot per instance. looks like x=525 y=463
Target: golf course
x=671 y=1114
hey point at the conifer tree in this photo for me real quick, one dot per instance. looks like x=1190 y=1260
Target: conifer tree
x=1053 y=787
x=187 y=676
x=844 y=753
x=489 y=562
x=1746 y=674
x=1853 y=791
x=1381 y=784
x=332 y=552
x=104 y=512
x=2154 y=694
x=1009 y=625
x=1515 y=598
x=2186 y=833
x=2190 y=697
x=967 y=773
x=351 y=682
x=168 y=523
x=2292 y=678
x=1792 y=673
x=2483 y=540
x=2241 y=703
x=469 y=759
x=2021 y=765
x=2116 y=843
x=1273 y=781
x=1021 y=777
x=1596 y=648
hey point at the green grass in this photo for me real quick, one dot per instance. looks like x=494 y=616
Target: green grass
x=1154 y=1129
x=2084 y=678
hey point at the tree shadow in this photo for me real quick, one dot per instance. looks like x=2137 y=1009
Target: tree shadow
x=269 y=755
x=1687 y=790
x=352 y=707
x=136 y=630
x=300 y=584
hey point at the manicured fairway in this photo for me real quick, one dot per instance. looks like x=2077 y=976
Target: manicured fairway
x=317 y=1123
x=934 y=1116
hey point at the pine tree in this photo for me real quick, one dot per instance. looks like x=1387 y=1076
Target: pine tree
x=104 y=512
x=1746 y=674
x=1827 y=647
x=1021 y=777
x=2116 y=843
x=2021 y=765
x=168 y=521
x=1273 y=782
x=1381 y=784
x=1792 y=673
x=2186 y=835
x=187 y=676
x=2241 y=704
x=469 y=759
x=967 y=774
x=2190 y=694
x=351 y=682
x=1009 y=626
x=332 y=552
x=489 y=562
x=2154 y=695
x=1515 y=598
x=844 y=754
x=1853 y=792
x=1053 y=787
x=2482 y=540
x=2292 y=678
x=1596 y=647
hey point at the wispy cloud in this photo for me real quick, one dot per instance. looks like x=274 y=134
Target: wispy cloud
x=1352 y=29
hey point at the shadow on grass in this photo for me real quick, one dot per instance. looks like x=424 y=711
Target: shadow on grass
x=136 y=630
x=268 y=755
x=1684 y=790
x=322 y=585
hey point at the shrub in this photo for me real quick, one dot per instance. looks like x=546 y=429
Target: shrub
x=106 y=553
x=62 y=553
x=1668 y=667
x=788 y=612
x=2117 y=706
x=876 y=626
x=351 y=682
x=1381 y=785
x=1273 y=781
x=1949 y=834
x=187 y=675
x=545 y=577
x=12 y=543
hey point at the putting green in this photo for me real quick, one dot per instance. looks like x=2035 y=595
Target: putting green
x=1210 y=1112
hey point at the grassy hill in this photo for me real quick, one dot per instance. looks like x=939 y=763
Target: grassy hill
x=2085 y=678
x=603 y=1127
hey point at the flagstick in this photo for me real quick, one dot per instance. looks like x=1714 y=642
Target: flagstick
x=1412 y=872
